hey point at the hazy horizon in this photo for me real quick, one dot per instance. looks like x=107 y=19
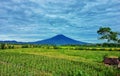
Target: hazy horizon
x=33 y=20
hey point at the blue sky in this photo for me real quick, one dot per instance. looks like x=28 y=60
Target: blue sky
x=32 y=20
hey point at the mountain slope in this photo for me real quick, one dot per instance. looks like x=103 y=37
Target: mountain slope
x=59 y=40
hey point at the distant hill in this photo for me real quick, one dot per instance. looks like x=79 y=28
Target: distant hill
x=56 y=40
x=59 y=40
x=12 y=42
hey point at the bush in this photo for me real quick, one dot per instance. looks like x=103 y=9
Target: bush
x=25 y=46
x=11 y=47
x=2 y=46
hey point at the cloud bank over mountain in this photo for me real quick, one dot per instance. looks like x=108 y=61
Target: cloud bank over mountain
x=31 y=20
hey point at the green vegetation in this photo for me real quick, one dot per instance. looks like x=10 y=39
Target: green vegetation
x=64 y=60
x=6 y=46
x=93 y=47
x=55 y=62
x=2 y=46
x=108 y=34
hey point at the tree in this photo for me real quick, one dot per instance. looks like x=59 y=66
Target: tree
x=113 y=36
x=104 y=32
x=3 y=46
x=119 y=38
x=107 y=34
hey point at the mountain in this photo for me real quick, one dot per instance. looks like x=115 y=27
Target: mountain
x=56 y=40
x=12 y=42
x=59 y=40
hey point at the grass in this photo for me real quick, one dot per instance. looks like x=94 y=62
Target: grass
x=55 y=62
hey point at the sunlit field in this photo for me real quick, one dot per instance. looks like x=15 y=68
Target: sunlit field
x=55 y=62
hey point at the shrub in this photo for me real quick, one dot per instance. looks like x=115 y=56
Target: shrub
x=25 y=46
x=3 y=46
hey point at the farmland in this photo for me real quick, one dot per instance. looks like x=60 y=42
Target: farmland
x=55 y=62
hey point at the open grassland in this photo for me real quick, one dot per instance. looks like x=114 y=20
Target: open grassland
x=55 y=62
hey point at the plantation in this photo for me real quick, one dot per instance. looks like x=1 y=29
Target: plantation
x=56 y=62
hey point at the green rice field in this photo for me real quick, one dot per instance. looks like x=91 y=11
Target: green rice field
x=56 y=62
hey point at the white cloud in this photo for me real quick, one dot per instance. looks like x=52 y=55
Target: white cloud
x=51 y=17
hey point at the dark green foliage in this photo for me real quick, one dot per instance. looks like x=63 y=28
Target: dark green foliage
x=6 y=46
x=104 y=30
x=25 y=46
x=3 y=46
x=107 y=34
x=110 y=45
x=113 y=36
x=119 y=41
x=119 y=58
x=10 y=46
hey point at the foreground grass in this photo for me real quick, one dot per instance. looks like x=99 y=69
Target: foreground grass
x=59 y=62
